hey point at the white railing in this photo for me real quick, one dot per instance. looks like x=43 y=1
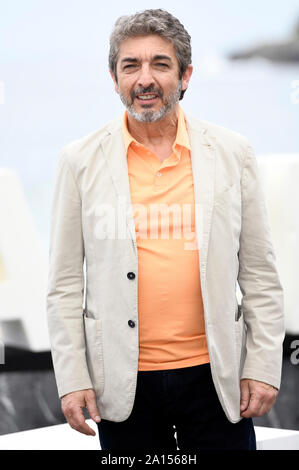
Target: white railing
x=63 y=437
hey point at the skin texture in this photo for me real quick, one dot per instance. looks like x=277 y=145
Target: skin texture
x=257 y=398
x=148 y=73
x=72 y=405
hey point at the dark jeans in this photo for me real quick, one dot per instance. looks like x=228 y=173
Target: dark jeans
x=182 y=401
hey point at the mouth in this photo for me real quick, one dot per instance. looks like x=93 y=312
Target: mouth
x=147 y=98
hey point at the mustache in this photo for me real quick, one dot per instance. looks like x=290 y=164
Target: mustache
x=149 y=89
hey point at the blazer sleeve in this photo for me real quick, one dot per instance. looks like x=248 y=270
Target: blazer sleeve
x=263 y=298
x=66 y=283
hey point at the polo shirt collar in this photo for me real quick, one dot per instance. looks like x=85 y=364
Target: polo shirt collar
x=182 y=137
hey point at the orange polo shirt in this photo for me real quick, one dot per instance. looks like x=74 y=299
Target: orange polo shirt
x=170 y=307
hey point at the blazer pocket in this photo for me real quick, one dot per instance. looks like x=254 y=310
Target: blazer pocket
x=94 y=352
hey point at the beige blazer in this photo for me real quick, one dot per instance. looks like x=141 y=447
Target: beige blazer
x=92 y=304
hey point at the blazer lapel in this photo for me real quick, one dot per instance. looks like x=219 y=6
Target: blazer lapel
x=115 y=154
x=203 y=168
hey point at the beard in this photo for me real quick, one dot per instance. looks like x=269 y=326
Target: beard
x=148 y=115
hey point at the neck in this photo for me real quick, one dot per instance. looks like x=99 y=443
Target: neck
x=154 y=132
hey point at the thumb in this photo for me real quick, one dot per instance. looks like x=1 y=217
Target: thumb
x=245 y=395
x=91 y=405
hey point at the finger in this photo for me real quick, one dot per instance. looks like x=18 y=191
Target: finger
x=77 y=421
x=267 y=404
x=254 y=407
x=91 y=405
x=265 y=408
x=245 y=395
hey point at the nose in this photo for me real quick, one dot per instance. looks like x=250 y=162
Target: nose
x=145 y=78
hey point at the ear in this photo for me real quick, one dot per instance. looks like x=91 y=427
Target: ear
x=186 y=77
x=114 y=81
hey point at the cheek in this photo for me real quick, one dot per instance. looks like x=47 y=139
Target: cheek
x=126 y=87
x=169 y=83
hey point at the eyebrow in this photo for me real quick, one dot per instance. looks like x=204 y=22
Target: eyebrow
x=162 y=57
x=128 y=59
x=156 y=57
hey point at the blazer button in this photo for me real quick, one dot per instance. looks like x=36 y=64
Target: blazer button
x=131 y=323
x=131 y=275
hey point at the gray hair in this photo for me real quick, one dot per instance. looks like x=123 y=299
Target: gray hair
x=147 y=22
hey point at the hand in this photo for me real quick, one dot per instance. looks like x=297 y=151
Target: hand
x=257 y=398
x=72 y=404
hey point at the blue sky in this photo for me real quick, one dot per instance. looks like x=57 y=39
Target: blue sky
x=34 y=29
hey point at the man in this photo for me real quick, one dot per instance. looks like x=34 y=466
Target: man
x=161 y=345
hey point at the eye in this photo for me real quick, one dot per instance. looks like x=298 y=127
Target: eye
x=129 y=66
x=160 y=64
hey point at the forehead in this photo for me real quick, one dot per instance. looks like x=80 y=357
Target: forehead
x=146 y=47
